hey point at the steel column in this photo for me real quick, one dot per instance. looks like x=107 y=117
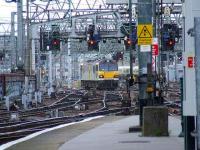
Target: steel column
x=20 y=48
x=197 y=71
x=69 y=63
x=50 y=70
x=14 y=50
x=144 y=17
x=132 y=44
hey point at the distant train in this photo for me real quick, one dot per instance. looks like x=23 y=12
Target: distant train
x=102 y=75
x=108 y=69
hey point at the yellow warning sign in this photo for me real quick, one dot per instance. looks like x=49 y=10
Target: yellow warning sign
x=144 y=34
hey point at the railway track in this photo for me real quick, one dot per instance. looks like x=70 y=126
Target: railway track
x=67 y=101
x=12 y=131
x=109 y=103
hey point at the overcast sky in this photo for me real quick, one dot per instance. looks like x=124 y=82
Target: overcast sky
x=6 y=9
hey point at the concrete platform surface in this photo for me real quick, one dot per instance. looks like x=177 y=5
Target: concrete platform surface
x=107 y=133
x=115 y=136
x=52 y=140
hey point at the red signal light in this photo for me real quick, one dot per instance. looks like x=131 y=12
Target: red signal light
x=91 y=42
x=92 y=45
x=171 y=42
x=55 y=42
x=128 y=41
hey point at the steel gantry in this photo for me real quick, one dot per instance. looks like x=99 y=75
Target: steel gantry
x=73 y=18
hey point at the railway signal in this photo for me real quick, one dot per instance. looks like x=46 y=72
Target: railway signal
x=92 y=45
x=130 y=42
x=127 y=43
x=55 y=38
x=92 y=39
x=50 y=40
x=170 y=33
x=44 y=40
x=55 y=44
x=171 y=44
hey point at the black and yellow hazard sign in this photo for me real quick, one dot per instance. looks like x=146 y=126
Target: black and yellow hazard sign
x=145 y=34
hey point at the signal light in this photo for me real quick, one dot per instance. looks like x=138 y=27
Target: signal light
x=55 y=44
x=128 y=41
x=91 y=42
x=55 y=38
x=93 y=45
x=45 y=40
x=171 y=44
x=170 y=35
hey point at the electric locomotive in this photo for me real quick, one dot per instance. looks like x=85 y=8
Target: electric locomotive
x=101 y=75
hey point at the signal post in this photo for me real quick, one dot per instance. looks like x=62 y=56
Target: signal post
x=145 y=35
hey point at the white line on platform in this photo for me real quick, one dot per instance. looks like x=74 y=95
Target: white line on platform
x=9 y=144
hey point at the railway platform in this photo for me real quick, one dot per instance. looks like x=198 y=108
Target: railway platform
x=107 y=133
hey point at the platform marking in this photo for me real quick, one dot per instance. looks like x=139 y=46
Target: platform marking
x=9 y=144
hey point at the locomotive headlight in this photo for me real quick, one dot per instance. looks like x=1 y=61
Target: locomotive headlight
x=116 y=76
x=101 y=76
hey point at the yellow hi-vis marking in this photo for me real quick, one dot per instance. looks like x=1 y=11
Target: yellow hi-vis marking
x=144 y=33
